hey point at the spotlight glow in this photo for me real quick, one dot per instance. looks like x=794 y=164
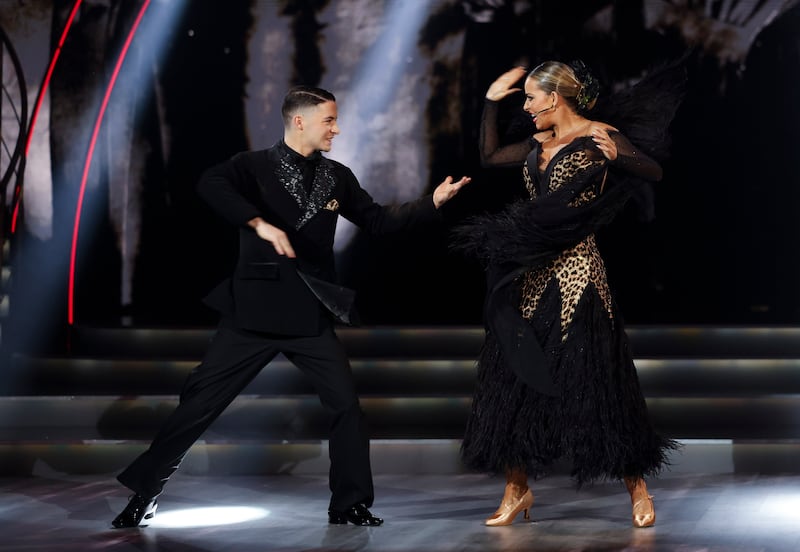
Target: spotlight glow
x=206 y=517
x=783 y=509
x=38 y=105
x=385 y=76
x=88 y=162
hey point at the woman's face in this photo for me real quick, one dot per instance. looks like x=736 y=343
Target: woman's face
x=538 y=103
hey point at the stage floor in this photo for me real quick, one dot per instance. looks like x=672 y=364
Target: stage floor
x=695 y=512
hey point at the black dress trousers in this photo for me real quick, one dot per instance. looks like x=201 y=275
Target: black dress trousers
x=233 y=359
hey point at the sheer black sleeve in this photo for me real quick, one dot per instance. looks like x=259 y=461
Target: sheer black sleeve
x=634 y=161
x=492 y=154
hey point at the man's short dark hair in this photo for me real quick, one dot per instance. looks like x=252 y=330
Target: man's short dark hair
x=299 y=97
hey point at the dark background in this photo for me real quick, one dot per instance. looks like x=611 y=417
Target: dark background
x=721 y=249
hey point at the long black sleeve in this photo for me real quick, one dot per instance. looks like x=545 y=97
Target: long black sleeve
x=360 y=208
x=225 y=188
x=492 y=154
x=634 y=161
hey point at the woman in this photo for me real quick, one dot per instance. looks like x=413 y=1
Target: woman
x=555 y=375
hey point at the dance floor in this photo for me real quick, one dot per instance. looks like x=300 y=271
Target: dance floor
x=714 y=511
x=258 y=479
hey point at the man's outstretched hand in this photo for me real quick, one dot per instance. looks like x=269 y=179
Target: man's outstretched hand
x=445 y=191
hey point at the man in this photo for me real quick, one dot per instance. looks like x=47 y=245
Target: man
x=280 y=299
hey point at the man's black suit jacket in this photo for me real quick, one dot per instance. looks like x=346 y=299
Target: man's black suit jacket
x=265 y=292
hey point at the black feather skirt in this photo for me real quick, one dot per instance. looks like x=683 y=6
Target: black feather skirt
x=598 y=419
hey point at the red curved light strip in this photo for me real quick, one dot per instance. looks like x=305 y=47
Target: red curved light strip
x=39 y=99
x=89 y=155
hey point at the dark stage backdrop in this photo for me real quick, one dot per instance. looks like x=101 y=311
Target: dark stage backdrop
x=204 y=79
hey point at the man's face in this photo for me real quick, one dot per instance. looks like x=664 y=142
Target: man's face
x=319 y=126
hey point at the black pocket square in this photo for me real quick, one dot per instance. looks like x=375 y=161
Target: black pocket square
x=339 y=300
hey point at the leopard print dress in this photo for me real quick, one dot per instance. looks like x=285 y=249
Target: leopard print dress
x=599 y=418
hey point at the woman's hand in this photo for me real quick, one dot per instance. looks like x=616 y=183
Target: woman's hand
x=599 y=133
x=501 y=87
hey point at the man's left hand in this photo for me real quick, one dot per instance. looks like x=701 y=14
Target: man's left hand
x=445 y=191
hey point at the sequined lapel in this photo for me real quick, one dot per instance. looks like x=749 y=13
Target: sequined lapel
x=291 y=178
x=321 y=189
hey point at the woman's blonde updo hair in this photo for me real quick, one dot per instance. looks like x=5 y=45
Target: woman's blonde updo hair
x=573 y=82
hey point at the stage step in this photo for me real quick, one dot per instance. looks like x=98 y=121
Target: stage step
x=450 y=342
x=659 y=377
x=388 y=456
x=56 y=419
x=117 y=385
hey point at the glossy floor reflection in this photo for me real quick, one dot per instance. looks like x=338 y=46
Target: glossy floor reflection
x=695 y=512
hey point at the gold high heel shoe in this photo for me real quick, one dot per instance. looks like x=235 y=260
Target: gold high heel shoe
x=644 y=513
x=510 y=507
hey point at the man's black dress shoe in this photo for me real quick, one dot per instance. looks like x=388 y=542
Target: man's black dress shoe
x=139 y=508
x=357 y=515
